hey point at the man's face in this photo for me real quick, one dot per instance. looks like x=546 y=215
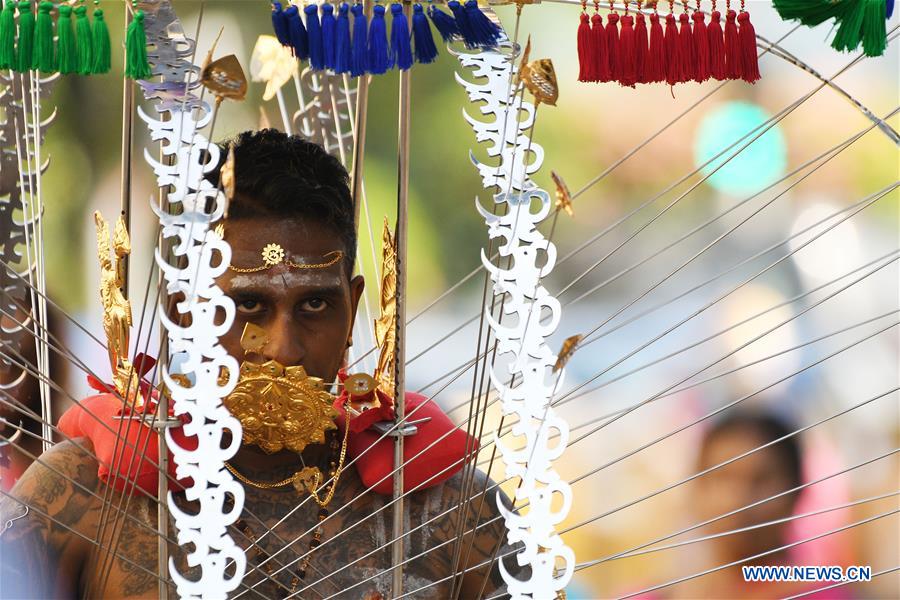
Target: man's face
x=307 y=314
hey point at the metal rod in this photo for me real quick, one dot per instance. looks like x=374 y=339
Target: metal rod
x=162 y=487
x=400 y=354
x=359 y=134
x=127 y=139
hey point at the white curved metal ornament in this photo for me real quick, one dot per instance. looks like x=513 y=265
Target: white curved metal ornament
x=522 y=350
x=200 y=257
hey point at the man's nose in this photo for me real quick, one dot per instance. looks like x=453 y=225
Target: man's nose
x=285 y=345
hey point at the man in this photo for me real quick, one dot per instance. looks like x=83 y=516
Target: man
x=292 y=202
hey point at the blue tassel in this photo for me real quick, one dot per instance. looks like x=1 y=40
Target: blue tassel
x=379 y=54
x=485 y=33
x=316 y=50
x=426 y=51
x=889 y=9
x=401 y=52
x=279 y=24
x=462 y=23
x=342 y=52
x=328 y=35
x=360 y=44
x=445 y=24
x=297 y=32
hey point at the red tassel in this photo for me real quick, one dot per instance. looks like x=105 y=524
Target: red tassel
x=612 y=43
x=601 y=52
x=716 y=46
x=673 y=51
x=701 y=48
x=656 y=57
x=749 y=58
x=732 y=47
x=627 y=52
x=686 y=41
x=586 y=68
x=640 y=48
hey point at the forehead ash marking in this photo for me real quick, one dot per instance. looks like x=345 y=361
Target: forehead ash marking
x=280 y=278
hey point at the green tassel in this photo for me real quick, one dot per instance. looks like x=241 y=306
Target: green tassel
x=8 y=35
x=811 y=12
x=26 y=37
x=874 y=33
x=136 y=65
x=42 y=55
x=83 y=45
x=68 y=60
x=101 y=48
x=849 y=34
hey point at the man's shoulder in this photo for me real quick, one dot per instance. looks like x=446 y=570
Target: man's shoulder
x=473 y=490
x=46 y=520
x=473 y=483
x=67 y=468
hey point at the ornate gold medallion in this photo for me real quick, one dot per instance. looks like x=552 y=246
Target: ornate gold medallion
x=360 y=384
x=281 y=407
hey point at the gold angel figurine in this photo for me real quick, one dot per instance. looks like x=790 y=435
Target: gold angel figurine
x=116 y=307
x=386 y=324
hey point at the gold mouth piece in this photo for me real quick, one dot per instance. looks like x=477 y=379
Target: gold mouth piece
x=281 y=407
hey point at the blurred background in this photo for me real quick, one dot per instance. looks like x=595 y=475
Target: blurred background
x=591 y=128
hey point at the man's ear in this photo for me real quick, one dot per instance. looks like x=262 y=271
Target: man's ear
x=357 y=285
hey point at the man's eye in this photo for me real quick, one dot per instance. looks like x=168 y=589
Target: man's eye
x=249 y=307
x=314 y=305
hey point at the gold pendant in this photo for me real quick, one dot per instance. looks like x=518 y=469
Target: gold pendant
x=307 y=480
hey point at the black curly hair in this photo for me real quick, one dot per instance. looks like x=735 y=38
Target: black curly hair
x=287 y=176
x=768 y=428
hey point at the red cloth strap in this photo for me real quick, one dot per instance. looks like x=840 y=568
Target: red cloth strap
x=135 y=460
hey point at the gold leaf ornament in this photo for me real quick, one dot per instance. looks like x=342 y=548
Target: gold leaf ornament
x=538 y=77
x=225 y=78
x=563 y=196
x=569 y=346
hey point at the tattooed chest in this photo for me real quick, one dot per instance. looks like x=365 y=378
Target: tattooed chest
x=347 y=555
x=306 y=555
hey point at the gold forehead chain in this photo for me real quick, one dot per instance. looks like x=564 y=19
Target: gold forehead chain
x=273 y=255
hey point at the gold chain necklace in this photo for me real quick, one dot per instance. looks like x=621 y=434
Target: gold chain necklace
x=307 y=478
x=260 y=484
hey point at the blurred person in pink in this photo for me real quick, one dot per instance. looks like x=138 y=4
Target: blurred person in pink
x=759 y=530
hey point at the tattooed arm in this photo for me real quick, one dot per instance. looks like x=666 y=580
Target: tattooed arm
x=478 y=546
x=490 y=533
x=40 y=556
